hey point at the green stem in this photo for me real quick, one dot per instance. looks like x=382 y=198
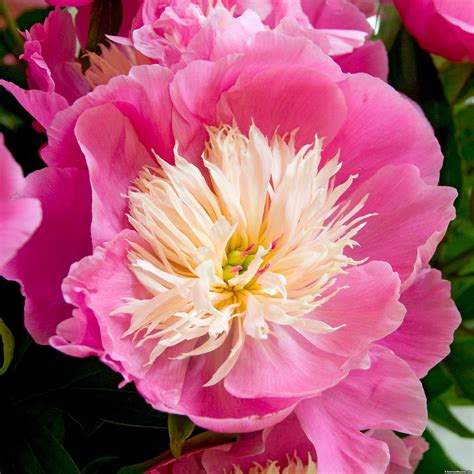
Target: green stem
x=17 y=46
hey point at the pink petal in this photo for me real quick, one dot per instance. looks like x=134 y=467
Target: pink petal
x=267 y=367
x=435 y=30
x=269 y=55
x=97 y=285
x=367 y=305
x=428 y=328
x=289 y=95
x=409 y=215
x=459 y=13
x=43 y=106
x=18 y=221
x=387 y=395
x=19 y=217
x=335 y=14
x=114 y=157
x=142 y=97
x=372 y=136
x=405 y=453
x=11 y=175
x=62 y=238
x=52 y=65
x=370 y=58
x=339 y=448
x=275 y=443
x=216 y=409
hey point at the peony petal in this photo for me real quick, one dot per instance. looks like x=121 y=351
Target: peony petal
x=275 y=443
x=290 y=95
x=367 y=306
x=408 y=214
x=370 y=58
x=266 y=52
x=19 y=217
x=62 y=238
x=114 y=157
x=98 y=284
x=372 y=136
x=142 y=97
x=388 y=395
x=267 y=367
x=43 y=106
x=52 y=65
x=216 y=409
x=340 y=449
x=405 y=453
x=335 y=14
x=424 y=338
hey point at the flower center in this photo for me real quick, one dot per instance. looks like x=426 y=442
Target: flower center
x=258 y=243
x=294 y=466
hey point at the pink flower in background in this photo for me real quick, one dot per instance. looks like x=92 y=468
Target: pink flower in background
x=173 y=33
x=285 y=240
x=442 y=27
x=323 y=434
x=20 y=215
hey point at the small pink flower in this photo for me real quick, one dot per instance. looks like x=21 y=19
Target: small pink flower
x=20 y=214
x=226 y=241
x=443 y=27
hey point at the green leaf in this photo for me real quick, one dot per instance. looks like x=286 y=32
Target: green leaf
x=436 y=382
x=435 y=459
x=98 y=465
x=105 y=19
x=35 y=441
x=180 y=429
x=9 y=119
x=8 y=343
x=460 y=363
x=440 y=413
x=464 y=122
x=454 y=77
x=465 y=303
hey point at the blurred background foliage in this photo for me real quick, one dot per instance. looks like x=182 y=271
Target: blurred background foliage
x=64 y=415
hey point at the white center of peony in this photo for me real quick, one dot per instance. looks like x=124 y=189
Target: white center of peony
x=258 y=245
x=294 y=466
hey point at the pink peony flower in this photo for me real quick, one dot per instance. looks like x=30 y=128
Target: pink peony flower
x=175 y=32
x=316 y=439
x=278 y=255
x=443 y=27
x=19 y=216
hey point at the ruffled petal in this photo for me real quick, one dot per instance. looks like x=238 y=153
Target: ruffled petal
x=410 y=219
x=372 y=137
x=114 y=156
x=62 y=238
x=367 y=306
x=428 y=328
